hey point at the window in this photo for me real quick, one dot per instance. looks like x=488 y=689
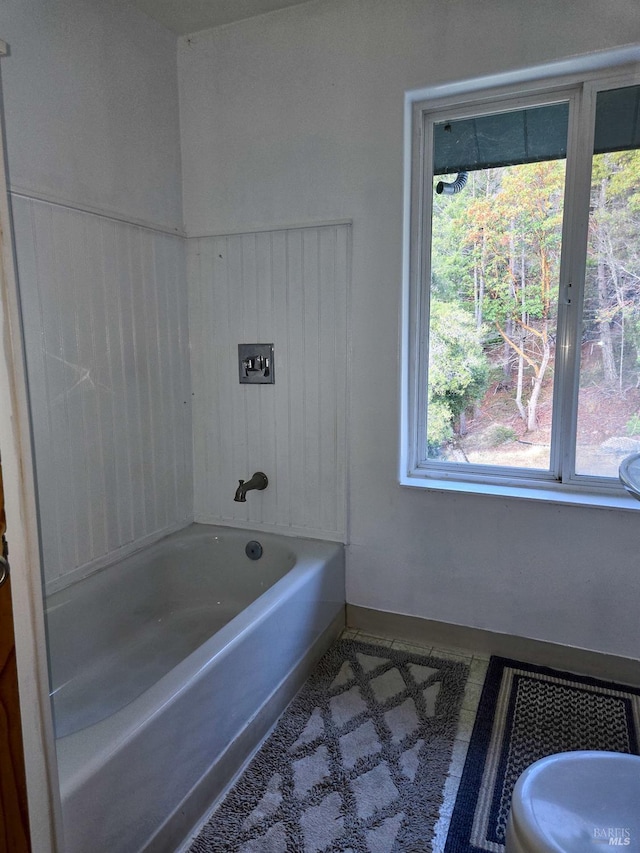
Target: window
x=522 y=309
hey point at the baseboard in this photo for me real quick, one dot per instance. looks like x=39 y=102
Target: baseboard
x=412 y=629
x=178 y=830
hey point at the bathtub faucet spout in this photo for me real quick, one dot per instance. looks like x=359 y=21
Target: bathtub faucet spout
x=258 y=481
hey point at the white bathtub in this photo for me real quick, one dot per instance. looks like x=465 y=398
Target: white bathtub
x=168 y=668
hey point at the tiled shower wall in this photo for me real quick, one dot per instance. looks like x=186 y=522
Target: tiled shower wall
x=289 y=288
x=106 y=335
x=106 y=323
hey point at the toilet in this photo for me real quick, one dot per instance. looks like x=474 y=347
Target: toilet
x=574 y=802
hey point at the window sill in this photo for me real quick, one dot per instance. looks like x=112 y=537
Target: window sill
x=549 y=493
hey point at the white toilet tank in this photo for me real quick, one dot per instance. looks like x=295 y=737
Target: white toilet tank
x=575 y=802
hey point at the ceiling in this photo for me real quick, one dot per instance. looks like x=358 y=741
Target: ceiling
x=189 y=16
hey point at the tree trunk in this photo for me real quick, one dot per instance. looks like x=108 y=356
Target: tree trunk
x=523 y=320
x=532 y=405
x=506 y=351
x=519 y=403
x=512 y=292
x=604 y=326
x=608 y=360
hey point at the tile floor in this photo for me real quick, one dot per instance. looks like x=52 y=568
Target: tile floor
x=477 y=668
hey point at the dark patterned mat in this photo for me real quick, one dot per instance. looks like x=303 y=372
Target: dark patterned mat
x=356 y=764
x=525 y=713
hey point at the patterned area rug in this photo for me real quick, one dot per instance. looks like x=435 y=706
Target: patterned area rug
x=527 y=712
x=356 y=764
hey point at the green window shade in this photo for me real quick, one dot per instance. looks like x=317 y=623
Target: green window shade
x=533 y=135
x=617 y=120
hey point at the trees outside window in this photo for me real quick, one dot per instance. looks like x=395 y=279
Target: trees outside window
x=528 y=348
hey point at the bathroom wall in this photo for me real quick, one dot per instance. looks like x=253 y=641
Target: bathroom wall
x=296 y=118
x=90 y=102
x=91 y=111
x=293 y=119
x=289 y=288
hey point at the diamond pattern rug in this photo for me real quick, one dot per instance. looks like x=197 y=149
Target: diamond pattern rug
x=356 y=764
x=527 y=712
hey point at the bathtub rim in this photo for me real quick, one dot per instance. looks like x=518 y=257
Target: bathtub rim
x=131 y=552
x=105 y=561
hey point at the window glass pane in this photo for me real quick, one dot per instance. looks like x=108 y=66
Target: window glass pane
x=609 y=393
x=495 y=259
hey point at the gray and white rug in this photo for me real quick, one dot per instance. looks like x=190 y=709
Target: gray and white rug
x=356 y=764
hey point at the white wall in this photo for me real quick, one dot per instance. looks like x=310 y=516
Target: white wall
x=297 y=118
x=91 y=108
x=90 y=100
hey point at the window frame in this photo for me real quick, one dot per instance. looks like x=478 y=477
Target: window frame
x=577 y=83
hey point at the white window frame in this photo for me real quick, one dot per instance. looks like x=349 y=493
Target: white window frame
x=576 y=81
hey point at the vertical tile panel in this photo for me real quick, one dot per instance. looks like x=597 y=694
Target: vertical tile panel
x=51 y=281
x=251 y=393
x=106 y=336
x=33 y=248
x=178 y=314
x=170 y=399
x=130 y=498
x=249 y=287
x=128 y=273
x=226 y=304
x=71 y=316
x=163 y=405
x=173 y=429
x=117 y=424
x=144 y=335
x=195 y=276
x=214 y=306
x=312 y=368
x=225 y=480
x=89 y=233
x=171 y=396
x=47 y=347
x=296 y=385
x=160 y=423
x=283 y=368
x=341 y=319
x=236 y=413
x=266 y=394
x=107 y=536
x=330 y=364
x=85 y=386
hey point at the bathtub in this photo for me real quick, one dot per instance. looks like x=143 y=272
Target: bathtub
x=168 y=668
